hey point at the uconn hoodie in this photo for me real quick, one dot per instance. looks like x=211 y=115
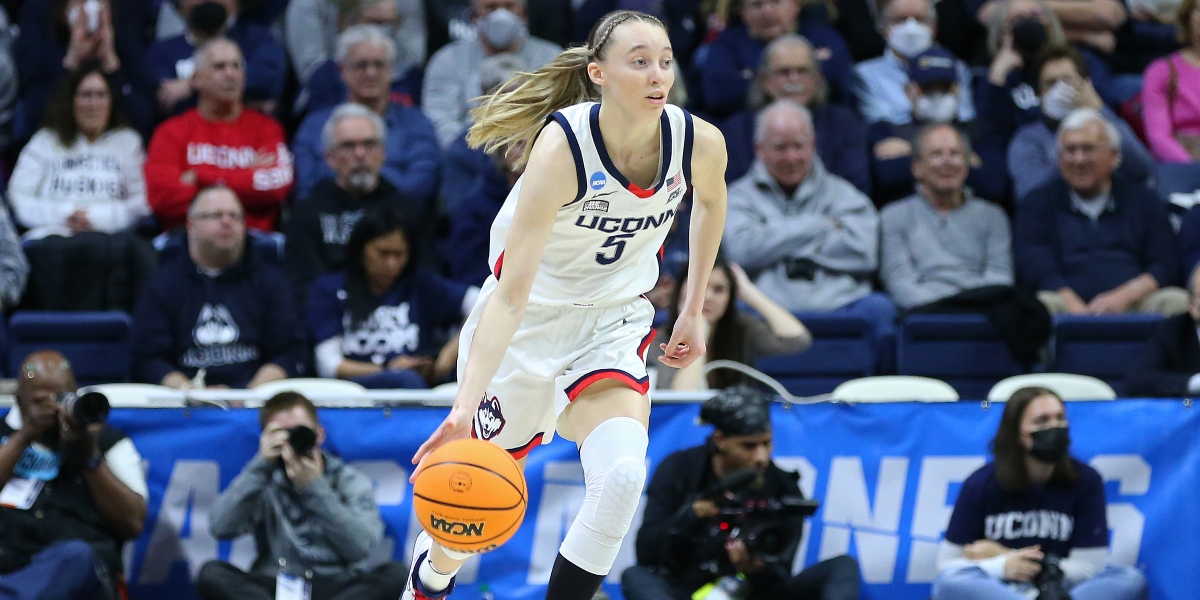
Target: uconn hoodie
x=229 y=324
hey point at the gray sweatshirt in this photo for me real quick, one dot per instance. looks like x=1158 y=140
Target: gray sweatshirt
x=928 y=256
x=331 y=526
x=826 y=220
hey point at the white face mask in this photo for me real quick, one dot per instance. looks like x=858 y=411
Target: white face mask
x=937 y=108
x=1059 y=101
x=910 y=38
x=501 y=28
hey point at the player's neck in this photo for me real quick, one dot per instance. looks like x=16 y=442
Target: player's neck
x=627 y=135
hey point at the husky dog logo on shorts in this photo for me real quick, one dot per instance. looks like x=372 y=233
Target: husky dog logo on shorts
x=489 y=420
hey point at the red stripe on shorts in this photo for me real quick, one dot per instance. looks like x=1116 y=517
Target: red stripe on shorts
x=646 y=343
x=575 y=389
x=499 y=265
x=519 y=453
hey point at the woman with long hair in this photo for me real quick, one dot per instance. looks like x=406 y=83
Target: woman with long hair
x=379 y=323
x=1033 y=518
x=558 y=337
x=83 y=170
x=732 y=335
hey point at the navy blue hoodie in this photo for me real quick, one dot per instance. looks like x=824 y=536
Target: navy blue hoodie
x=230 y=324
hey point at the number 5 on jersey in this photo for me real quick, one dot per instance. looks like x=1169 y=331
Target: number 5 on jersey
x=617 y=243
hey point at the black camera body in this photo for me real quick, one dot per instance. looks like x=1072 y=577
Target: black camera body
x=90 y=408
x=1049 y=581
x=769 y=527
x=302 y=439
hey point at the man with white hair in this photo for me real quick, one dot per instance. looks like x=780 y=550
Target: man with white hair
x=909 y=26
x=808 y=238
x=1091 y=244
x=365 y=56
x=219 y=142
x=353 y=139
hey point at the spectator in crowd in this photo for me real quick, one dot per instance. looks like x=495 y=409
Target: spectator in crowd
x=1091 y=244
x=1170 y=365
x=1189 y=239
x=82 y=491
x=325 y=88
x=1090 y=23
x=681 y=546
x=8 y=78
x=932 y=89
x=308 y=512
x=1171 y=94
x=216 y=316
x=733 y=57
x=83 y=170
x=945 y=251
x=365 y=56
x=732 y=335
x=910 y=26
x=311 y=30
x=790 y=69
x=172 y=61
x=378 y=323
x=319 y=227
x=1017 y=31
x=808 y=238
x=1149 y=33
x=466 y=250
x=14 y=268
x=1065 y=85
x=452 y=81
x=58 y=36
x=219 y=141
x=1033 y=476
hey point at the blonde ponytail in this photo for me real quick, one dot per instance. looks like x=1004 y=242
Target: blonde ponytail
x=516 y=113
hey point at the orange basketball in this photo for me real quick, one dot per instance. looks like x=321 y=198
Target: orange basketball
x=470 y=496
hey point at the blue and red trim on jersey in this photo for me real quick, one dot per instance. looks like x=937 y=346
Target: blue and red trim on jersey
x=520 y=451
x=575 y=389
x=689 y=134
x=576 y=153
x=602 y=151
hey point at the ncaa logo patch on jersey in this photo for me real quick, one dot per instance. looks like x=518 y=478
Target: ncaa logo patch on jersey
x=488 y=420
x=598 y=180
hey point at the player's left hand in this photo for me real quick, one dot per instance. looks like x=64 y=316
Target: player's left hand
x=687 y=342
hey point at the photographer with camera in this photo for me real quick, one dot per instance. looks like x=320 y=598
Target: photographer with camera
x=316 y=527
x=71 y=489
x=1032 y=523
x=723 y=521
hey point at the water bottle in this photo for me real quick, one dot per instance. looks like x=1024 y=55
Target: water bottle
x=485 y=592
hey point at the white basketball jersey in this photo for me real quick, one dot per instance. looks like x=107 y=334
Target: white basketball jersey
x=606 y=245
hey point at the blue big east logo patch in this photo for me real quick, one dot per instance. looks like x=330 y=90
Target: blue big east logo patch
x=598 y=180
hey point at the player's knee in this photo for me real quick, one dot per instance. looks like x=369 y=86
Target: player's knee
x=614 y=463
x=621 y=488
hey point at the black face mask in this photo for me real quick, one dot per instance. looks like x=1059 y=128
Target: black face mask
x=1050 y=445
x=208 y=18
x=1029 y=35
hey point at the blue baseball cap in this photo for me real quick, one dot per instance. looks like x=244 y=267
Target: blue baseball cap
x=935 y=65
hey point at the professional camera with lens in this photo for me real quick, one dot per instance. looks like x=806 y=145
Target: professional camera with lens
x=90 y=408
x=302 y=439
x=1050 y=580
x=769 y=527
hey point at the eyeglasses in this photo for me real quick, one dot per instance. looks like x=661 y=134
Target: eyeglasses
x=789 y=71
x=361 y=66
x=217 y=215
x=350 y=146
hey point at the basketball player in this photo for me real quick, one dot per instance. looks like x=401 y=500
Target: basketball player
x=557 y=339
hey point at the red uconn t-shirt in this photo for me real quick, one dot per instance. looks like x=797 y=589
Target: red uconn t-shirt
x=247 y=154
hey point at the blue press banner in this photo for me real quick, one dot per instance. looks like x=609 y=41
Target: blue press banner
x=886 y=474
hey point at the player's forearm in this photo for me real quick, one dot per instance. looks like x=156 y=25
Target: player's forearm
x=497 y=325
x=708 y=223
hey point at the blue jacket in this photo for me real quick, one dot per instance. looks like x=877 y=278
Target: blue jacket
x=230 y=324
x=841 y=144
x=462 y=170
x=1189 y=241
x=326 y=89
x=466 y=250
x=266 y=67
x=411 y=146
x=1055 y=246
x=732 y=63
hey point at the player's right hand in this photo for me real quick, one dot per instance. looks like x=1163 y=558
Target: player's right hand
x=456 y=426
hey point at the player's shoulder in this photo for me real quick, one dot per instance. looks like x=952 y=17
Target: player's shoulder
x=708 y=148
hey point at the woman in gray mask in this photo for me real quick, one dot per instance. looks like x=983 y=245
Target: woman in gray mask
x=1033 y=521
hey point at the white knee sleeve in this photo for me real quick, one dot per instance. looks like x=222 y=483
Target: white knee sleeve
x=614 y=470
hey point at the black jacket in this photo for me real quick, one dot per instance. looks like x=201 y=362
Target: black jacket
x=670 y=528
x=1171 y=357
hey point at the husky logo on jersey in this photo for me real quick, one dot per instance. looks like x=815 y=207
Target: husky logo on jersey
x=598 y=180
x=596 y=205
x=489 y=420
x=214 y=326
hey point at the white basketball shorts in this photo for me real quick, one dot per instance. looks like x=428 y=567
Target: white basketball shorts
x=556 y=353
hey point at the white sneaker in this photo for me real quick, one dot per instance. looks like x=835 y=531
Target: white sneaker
x=415 y=590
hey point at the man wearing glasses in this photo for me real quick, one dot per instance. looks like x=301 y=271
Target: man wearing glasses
x=216 y=315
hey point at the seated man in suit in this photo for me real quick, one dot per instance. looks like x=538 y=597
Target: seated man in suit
x=1170 y=365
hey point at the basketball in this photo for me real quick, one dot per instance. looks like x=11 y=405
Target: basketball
x=470 y=496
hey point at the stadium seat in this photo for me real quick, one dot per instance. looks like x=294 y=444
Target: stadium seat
x=894 y=388
x=962 y=350
x=1068 y=386
x=96 y=343
x=843 y=348
x=1103 y=347
x=311 y=386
